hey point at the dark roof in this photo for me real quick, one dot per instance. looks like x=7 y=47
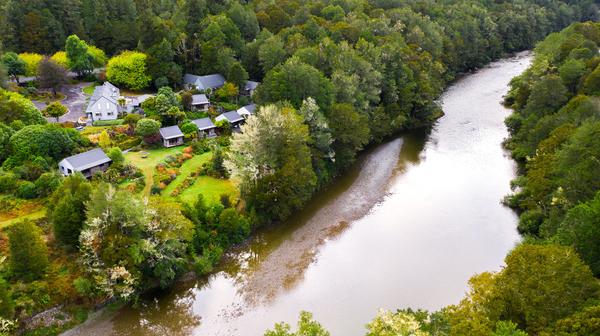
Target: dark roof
x=251 y=85
x=171 y=132
x=198 y=99
x=205 y=82
x=92 y=158
x=231 y=116
x=204 y=124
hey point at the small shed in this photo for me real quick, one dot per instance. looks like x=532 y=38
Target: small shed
x=250 y=87
x=172 y=136
x=206 y=128
x=233 y=118
x=87 y=163
x=200 y=102
x=247 y=111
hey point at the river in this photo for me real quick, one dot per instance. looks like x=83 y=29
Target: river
x=407 y=226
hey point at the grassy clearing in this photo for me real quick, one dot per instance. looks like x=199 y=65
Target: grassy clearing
x=147 y=164
x=185 y=170
x=90 y=89
x=13 y=210
x=212 y=189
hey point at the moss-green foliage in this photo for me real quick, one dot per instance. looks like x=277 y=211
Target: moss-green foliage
x=540 y=285
x=66 y=209
x=7 y=305
x=14 y=107
x=49 y=142
x=555 y=129
x=129 y=69
x=28 y=251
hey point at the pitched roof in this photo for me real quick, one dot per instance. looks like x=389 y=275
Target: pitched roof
x=140 y=99
x=251 y=85
x=89 y=159
x=107 y=93
x=171 y=132
x=231 y=116
x=204 y=124
x=199 y=99
x=247 y=110
x=204 y=82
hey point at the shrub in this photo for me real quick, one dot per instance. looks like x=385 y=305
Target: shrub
x=26 y=190
x=115 y=122
x=200 y=146
x=28 y=251
x=46 y=184
x=8 y=182
x=7 y=305
x=84 y=287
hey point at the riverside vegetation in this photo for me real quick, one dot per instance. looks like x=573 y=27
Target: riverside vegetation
x=549 y=285
x=336 y=76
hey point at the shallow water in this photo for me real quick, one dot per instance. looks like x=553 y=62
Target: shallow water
x=407 y=226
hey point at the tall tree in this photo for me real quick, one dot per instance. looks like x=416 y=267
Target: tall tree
x=79 y=59
x=14 y=65
x=51 y=75
x=28 y=251
x=272 y=160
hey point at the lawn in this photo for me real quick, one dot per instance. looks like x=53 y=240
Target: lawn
x=147 y=164
x=212 y=188
x=90 y=89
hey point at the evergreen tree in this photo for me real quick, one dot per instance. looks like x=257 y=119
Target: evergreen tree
x=28 y=251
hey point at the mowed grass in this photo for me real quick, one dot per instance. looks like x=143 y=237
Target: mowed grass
x=147 y=164
x=212 y=188
x=90 y=89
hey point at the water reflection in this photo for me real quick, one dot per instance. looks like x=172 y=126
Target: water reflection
x=407 y=226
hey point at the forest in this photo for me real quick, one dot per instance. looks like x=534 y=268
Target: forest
x=335 y=77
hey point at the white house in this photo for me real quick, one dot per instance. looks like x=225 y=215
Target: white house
x=247 y=110
x=203 y=83
x=104 y=103
x=200 y=102
x=206 y=128
x=172 y=136
x=87 y=163
x=233 y=118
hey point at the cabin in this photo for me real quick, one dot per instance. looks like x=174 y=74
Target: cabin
x=172 y=136
x=87 y=163
x=247 y=111
x=134 y=105
x=250 y=88
x=206 y=128
x=200 y=102
x=104 y=103
x=203 y=83
x=233 y=118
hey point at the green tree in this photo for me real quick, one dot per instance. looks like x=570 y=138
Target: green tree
x=295 y=81
x=14 y=107
x=272 y=160
x=80 y=60
x=28 y=251
x=66 y=209
x=147 y=127
x=161 y=64
x=547 y=96
x=55 y=110
x=237 y=75
x=271 y=53
x=306 y=326
x=571 y=73
x=5 y=134
x=580 y=228
x=15 y=66
x=116 y=156
x=350 y=131
x=51 y=75
x=531 y=279
x=387 y=323
x=592 y=82
x=129 y=69
x=7 y=304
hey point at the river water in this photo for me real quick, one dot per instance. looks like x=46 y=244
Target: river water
x=407 y=226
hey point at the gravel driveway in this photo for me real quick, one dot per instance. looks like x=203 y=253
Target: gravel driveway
x=75 y=101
